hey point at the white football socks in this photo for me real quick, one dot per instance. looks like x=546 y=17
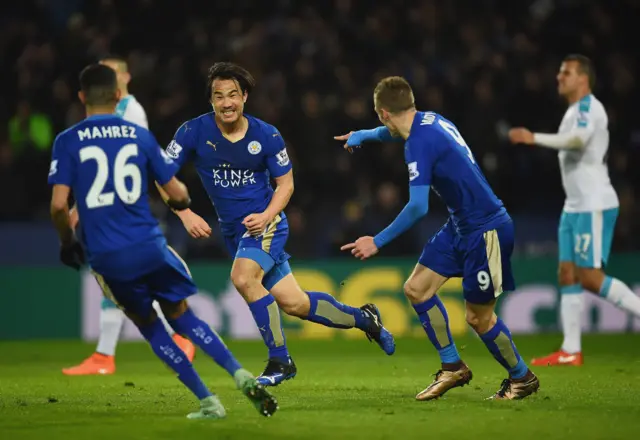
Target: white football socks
x=111 y=321
x=571 y=305
x=620 y=295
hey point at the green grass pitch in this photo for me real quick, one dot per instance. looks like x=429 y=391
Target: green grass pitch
x=345 y=389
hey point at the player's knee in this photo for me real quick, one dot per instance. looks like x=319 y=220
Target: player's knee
x=173 y=311
x=243 y=282
x=567 y=275
x=591 y=280
x=481 y=322
x=416 y=293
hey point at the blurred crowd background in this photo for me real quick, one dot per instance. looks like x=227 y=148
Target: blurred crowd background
x=485 y=64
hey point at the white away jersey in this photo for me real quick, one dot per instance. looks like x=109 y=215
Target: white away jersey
x=130 y=110
x=585 y=175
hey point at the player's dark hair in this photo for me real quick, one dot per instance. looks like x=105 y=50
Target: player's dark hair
x=585 y=66
x=99 y=85
x=227 y=70
x=394 y=94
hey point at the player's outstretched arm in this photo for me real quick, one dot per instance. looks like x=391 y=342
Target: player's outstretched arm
x=354 y=139
x=574 y=139
x=256 y=223
x=416 y=208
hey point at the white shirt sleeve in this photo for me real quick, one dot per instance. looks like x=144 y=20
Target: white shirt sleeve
x=136 y=114
x=576 y=138
x=585 y=120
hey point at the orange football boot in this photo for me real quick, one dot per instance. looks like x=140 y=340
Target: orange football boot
x=97 y=363
x=185 y=345
x=559 y=358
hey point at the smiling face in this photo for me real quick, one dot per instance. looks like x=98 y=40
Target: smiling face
x=227 y=99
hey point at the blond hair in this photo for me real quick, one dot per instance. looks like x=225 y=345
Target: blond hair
x=394 y=94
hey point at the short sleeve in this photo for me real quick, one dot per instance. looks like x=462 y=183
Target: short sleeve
x=161 y=165
x=278 y=162
x=183 y=143
x=420 y=160
x=62 y=169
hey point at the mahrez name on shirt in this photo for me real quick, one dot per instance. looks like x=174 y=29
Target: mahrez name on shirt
x=110 y=131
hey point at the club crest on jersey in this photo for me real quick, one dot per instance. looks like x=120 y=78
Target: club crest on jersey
x=254 y=147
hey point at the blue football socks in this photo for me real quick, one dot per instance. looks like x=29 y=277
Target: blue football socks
x=189 y=325
x=328 y=311
x=435 y=322
x=167 y=350
x=499 y=342
x=266 y=314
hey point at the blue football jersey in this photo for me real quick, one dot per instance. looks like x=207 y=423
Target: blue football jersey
x=107 y=162
x=236 y=175
x=437 y=155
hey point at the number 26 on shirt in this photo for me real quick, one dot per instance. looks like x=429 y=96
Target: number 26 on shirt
x=96 y=198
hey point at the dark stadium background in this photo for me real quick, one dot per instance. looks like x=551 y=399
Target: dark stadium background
x=485 y=64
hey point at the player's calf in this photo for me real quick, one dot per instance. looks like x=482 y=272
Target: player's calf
x=185 y=322
x=280 y=367
x=420 y=289
x=322 y=308
x=453 y=372
x=611 y=289
x=326 y=310
x=164 y=347
x=497 y=338
x=246 y=276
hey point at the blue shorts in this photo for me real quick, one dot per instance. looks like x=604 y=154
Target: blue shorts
x=585 y=237
x=482 y=259
x=266 y=249
x=171 y=281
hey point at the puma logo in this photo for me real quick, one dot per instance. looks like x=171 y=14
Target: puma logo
x=212 y=144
